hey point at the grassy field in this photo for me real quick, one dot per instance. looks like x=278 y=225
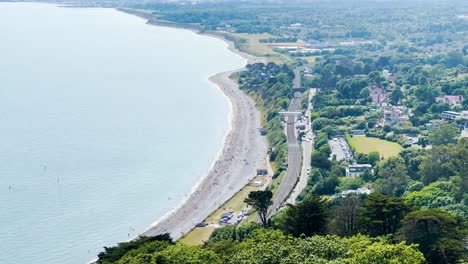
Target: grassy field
x=365 y=145
x=250 y=43
x=310 y=59
x=197 y=236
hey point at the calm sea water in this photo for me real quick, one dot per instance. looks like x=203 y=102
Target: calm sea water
x=105 y=124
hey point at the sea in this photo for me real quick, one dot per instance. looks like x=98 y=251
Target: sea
x=106 y=124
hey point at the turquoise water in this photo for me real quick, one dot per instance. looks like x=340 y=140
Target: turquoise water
x=105 y=124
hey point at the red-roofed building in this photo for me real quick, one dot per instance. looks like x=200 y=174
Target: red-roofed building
x=378 y=96
x=450 y=99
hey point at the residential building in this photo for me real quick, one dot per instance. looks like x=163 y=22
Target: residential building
x=356 y=170
x=362 y=190
x=395 y=115
x=378 y=96
x=356 y=132
x=451 y=99
x=450 y=115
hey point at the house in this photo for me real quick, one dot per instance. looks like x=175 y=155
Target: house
x=356 y=132
x=396 y=114
x=450 y=115
x=359 y=191
x=378 y=96
x=450 y=99
x=356 y=170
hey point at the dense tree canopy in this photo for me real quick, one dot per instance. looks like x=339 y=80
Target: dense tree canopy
x=439 y=234
x=273 y=247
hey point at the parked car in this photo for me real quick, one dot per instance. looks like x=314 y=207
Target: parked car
x=202 y=224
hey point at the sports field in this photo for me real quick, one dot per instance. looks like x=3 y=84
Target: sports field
x=387 y=149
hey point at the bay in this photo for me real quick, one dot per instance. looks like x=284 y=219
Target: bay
x=106 y=123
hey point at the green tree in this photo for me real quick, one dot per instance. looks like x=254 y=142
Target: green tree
x=444 y=135
x=308 y=217
x=373 y=157
x=319 y=159
x=345 y=221
x=459 y=160
x=437 y=165
x=413 y=158
x=440 y=235
x=326 y=186
x=178 y=254
x=396 y=96
x=454 y=58
x=381 y=215
x=112 y=254
x=260 y=201
x=375 y=77
x=440 y=194
x=392 y=179
x=233 y=232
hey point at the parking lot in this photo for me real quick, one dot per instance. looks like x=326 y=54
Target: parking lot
x=231 y=218
x=340 y=148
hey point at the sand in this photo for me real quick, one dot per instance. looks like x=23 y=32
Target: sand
x=244 y=152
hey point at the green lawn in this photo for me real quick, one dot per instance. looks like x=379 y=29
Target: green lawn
x=197 y=236
x=365 y=145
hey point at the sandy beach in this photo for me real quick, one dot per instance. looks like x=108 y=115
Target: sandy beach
x=244 y=151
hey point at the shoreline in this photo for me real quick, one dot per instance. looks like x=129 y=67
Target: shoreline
x=243 y=151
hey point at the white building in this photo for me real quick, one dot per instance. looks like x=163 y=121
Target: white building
x=357 y=170
x=450 y=115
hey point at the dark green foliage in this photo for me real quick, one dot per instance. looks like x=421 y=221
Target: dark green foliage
x=321 y=152
x=439 y=234
x=437 y=165
x=396 y=96
x=391 y=177
x=351 y=88
x=443 y=135
x=233 y=233
x=344 y=219
x=327 y=186
x=112 y=254
x=306 y=218
x=413 y=158
x=381 y=215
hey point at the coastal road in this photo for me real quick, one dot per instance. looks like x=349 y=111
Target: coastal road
x=307 y=147
x=297 y=78
x=294 y=160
